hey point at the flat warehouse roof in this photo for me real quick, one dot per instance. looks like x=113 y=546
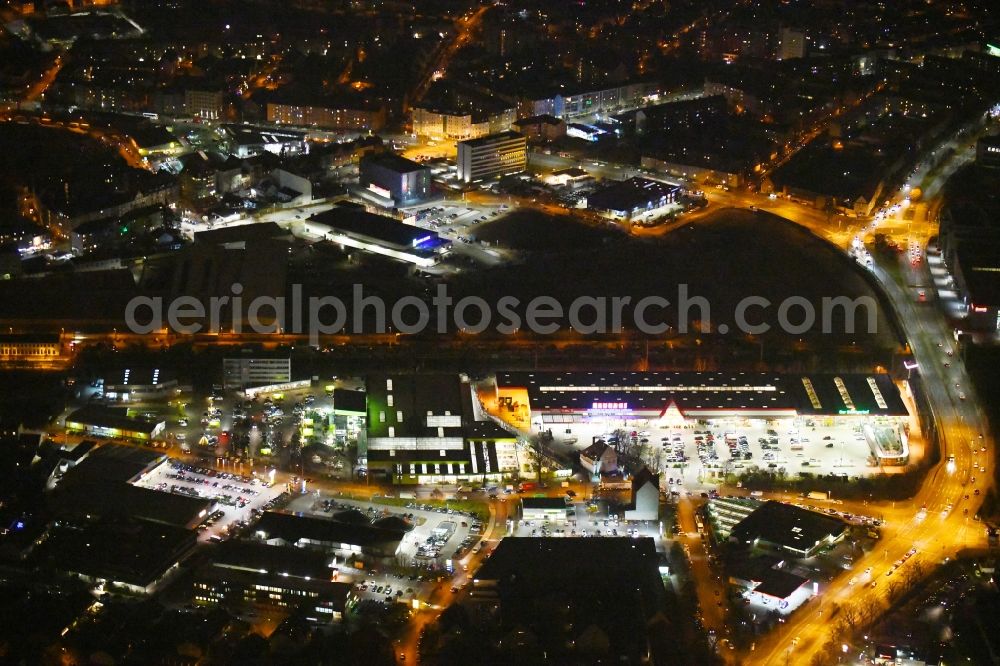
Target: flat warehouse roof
x=139 y=376
x=700 y=392
x=788 y=526
x=644 y=391
x=255 y=556
x=346 y=400
x=377 y=227
x=114 y=463
x=779 y=584
x=846 y=394
x=291 y=528
x=414 y=397
x=544 y=503
x=248 y=134
x=134 y=552
x=630 y=194
x=395 y=162
x=79 y=497
x=107 y=417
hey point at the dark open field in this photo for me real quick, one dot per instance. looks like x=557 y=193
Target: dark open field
x=729 y=256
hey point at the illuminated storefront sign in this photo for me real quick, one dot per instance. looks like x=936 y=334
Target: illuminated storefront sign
x=609 y=408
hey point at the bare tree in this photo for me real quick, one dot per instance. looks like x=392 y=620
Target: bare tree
x=536 y=447
x=850 y=615
x=623 y=445
x=893 y=588
x=868 y=612
x=914 y=573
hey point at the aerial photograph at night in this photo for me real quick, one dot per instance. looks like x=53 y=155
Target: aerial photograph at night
x=499 y=332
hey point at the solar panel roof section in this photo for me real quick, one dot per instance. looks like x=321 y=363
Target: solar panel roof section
x=873 y=394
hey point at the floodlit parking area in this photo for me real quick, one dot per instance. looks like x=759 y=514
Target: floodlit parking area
x=698 y=454
x=438 y=535
x=451 y=535
x=235 y=496
x=587 y=519
x=456 y=221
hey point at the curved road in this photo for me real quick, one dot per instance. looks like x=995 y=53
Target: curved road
x=938 y=521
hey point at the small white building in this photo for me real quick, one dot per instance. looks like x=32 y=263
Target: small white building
x=544 y=509
x=645 y=504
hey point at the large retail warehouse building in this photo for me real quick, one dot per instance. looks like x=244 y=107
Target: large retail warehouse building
x=554 y=400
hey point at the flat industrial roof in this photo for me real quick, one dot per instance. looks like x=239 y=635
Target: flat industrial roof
x=114 y=463
x=414 y=396
x=699 y=392
x=649 y=391
x=571 y=172
x=291 y=528
x=240 y=232
x=139 y=376
x=78 y=497
x=377 y=227
x=979 y=265
x=481 y=456
x=110 y=417
x=135 y=552
x=543 y=503
x=845 y=393
x=788 y=526
x=769 y=579
x=346 y=400
x=250 y=135
x=395 y=162
x=487 y=430
x=237 y=554
x=630 y=194
x=779 y=584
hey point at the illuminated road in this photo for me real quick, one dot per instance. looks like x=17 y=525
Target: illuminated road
x=946 y=525
x=710 y=587
x=45 y=79
x=464 y=28
x=407 y=650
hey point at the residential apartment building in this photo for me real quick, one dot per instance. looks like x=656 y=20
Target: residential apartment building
x=206 y=104
x=441 y=124
x=327 y=116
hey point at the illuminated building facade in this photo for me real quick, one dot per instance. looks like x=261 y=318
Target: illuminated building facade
x=492 y=156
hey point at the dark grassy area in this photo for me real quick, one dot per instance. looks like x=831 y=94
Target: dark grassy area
x=532 y=230
x=884 y=486
x=730 y=255
x=29 y=398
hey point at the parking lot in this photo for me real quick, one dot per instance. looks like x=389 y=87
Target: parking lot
x=262 y=430
x=436 y=538
x=235 y=496
x=438 y=535
x=456 y=221
x=696 y=455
